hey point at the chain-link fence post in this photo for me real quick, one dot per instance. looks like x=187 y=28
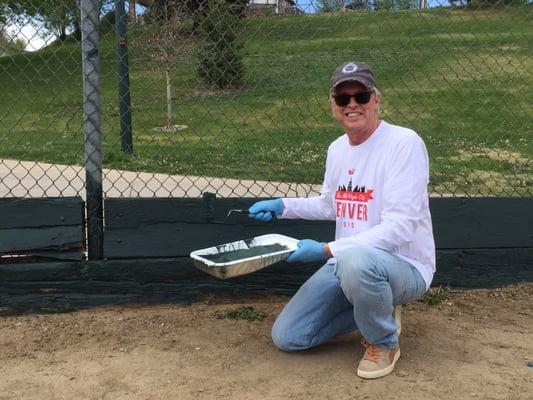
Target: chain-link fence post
x=126 y=142
x=90 y=20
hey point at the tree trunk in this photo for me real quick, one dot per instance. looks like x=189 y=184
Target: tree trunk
x=77 y=30
x=62 y=34
x=169 y=99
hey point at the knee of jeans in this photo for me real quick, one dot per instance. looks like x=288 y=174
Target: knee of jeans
x=279 y=338
x=286 y=339
x=353 y=265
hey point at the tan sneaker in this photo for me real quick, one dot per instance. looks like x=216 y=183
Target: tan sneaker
x=378 y=361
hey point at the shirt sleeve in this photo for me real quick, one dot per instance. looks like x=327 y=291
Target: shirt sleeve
x=315 y=207
x=404 y=194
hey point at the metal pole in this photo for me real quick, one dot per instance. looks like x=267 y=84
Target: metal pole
x=90 y=20
x=126 y=141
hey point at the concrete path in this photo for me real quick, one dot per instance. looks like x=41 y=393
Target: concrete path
x=36 y=179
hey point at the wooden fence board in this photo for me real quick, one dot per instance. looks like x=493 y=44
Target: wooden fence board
x=53 y=238
x=43 y=227
x=482 y=242
x=40 y=212
x=482 y=222
x=175 y=227
x=458 y=268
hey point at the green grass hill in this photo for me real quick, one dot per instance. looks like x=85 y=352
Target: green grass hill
x=462 y=79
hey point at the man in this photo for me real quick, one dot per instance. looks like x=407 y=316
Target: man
x=383 y=255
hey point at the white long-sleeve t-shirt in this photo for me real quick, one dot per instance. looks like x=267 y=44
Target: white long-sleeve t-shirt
x=377 y=194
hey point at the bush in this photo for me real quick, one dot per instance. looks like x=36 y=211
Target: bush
x=495 y=3
x=392 y=5
x=220 y=61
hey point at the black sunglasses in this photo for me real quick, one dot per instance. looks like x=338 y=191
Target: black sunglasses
x=342 y=100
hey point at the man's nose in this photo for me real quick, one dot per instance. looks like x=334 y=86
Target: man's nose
x=352 y=103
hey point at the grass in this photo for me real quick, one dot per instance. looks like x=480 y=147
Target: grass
x=436 y=295
x=247 y=313
x=462 y=79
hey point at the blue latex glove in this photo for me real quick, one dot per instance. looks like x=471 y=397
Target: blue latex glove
x=308 y=251
x=265 y=210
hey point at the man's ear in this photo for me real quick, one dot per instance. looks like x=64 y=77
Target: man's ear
x=332 y=106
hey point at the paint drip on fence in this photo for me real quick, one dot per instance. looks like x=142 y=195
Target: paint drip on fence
x=229 y=256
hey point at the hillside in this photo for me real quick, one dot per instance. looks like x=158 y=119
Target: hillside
x=462 y=79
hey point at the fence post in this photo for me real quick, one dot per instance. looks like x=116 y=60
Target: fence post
x=90 y=20
x=126 y=142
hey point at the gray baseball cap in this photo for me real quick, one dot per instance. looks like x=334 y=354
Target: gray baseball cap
x=353 y=71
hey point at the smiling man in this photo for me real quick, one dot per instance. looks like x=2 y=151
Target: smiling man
x=383 y=255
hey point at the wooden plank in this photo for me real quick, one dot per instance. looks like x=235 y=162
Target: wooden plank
x=468 y=268
x=178 y=239
x=65 y=286
x=29 y=212
x=42 y=227
x=74 y=253
x=482 y=222
x=42 y=271
x=53 y=238
x=175 y=227
x=29 y=256
x=134 y=212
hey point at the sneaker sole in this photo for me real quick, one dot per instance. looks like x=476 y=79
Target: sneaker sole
x=382 y=372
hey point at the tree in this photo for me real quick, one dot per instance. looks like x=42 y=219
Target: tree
x=57 y=16
x=220 y=59
x=326 y=6
x=8 y=44
x=495 y=3
x=393 y=5
x=163 y=44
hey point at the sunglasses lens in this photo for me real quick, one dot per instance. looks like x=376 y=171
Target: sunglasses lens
x=342 y=100
x=363 y=97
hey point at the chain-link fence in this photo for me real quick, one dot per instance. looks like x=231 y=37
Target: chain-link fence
x=232 y=96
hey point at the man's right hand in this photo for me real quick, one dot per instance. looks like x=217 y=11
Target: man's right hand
x=265 y=210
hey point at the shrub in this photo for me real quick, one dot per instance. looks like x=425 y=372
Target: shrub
x=220 y=61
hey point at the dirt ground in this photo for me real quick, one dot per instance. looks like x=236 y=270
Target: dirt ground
x=473 y=345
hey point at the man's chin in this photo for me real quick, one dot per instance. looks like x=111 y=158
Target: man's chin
x=354 y=128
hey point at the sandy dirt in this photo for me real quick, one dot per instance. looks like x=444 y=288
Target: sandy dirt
x=474 y=345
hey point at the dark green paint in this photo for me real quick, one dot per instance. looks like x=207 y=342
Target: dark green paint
x=482 y=222
x=31 y=213
x=95 y=222
x=229 y=256
x=70 y=285
x=53 y=238
x=175 y=227
x=482 y=243
x=46 y=228
x=208 y=205
x=178 y=239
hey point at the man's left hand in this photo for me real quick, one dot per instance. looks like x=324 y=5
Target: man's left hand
x=308 y=251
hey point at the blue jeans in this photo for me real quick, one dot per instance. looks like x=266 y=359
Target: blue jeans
x=357 y=290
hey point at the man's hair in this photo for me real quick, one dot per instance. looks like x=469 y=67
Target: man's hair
x=378 y=94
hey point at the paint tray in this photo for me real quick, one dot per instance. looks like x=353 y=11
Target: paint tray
x=224 y=270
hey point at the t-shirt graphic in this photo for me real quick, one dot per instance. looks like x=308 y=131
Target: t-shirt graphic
x=351 y=203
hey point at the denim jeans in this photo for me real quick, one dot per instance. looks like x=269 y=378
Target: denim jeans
x=357 y=290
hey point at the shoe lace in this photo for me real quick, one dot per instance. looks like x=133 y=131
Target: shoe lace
x=373 y=352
